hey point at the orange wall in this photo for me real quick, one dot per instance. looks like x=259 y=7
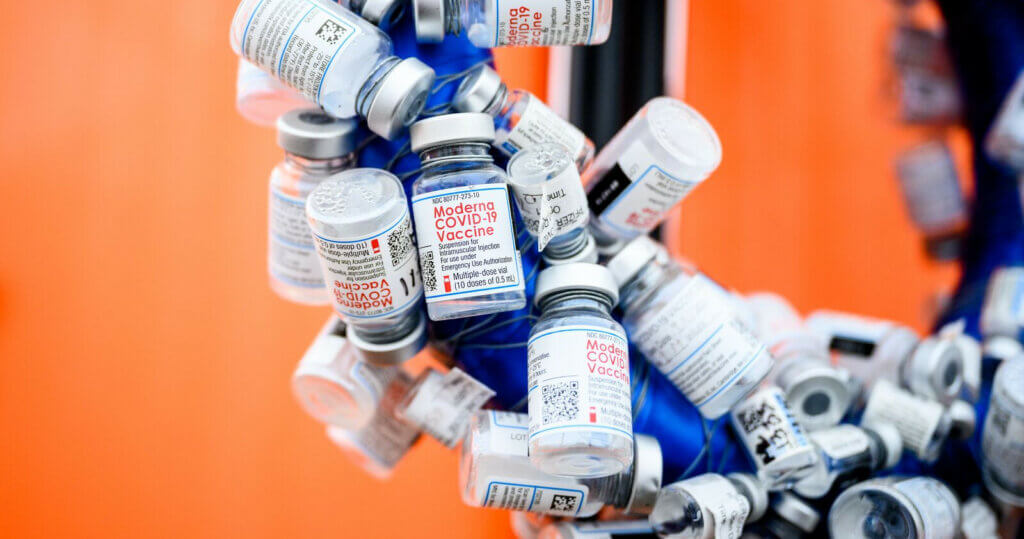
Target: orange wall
x=143 y=362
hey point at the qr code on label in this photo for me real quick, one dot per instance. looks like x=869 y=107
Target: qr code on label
x=428 y=270
x=331 y=32
x=563 y=503
x=561 y=401
x=400 y=242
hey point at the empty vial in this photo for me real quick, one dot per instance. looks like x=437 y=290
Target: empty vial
x=360 y=222
x=441 y=404
x=818 y=393
x=382 y=13
x=923 y=424
x=790 y=517
x=262 y=99
x=1003 y=435
x=1005 y=141
x=518 y=23
x=774 y=440
x=316 y=146
x=551 y=200
x=910 y=508
x=521 y=120
x=581 y=419
x=685 y=325
x=664 y=151
x=1002 y=313
x=333 y=58
x=931 y=191
x=845 y=451
x=614 y=529
x=464 y=223
x=970 y=353
x=709 y=505
x=978 y=520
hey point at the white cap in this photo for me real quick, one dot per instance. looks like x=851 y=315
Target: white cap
x=588 y=255
x=891 y=440
x=647 y=463
x=392 y=353
x=383 y=13
x=575 y=277
x=964 y=418
x=311 y=133
x=756 y=492
x=429 y=18
x=632 y=258
x=400 y=98
x=935 y=369
x=1002 y=347
x=451 y=129
x=797 y=512
x=818 y=393
x=477 y=91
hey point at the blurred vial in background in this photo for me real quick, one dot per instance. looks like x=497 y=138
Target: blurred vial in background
x=550 y=197
x=685 y=324
x=262 y=99
x=382 y=13
x=923 y=424
x=978 y=520
x=464 y=222
x=526 y=525
x=929 y=94
x=790 y=517
x=518 y=23
x=1002 y=313
x=709 y=505
x=521 y=120
x=914 y=508
x=333 y=58
x=931 y=190
x=441 y=404
x=628 y=529
x=581 y=418
x=333 y=386
x=660 y=155
x=1005 y=140
x=316 y=146
x=363 y=234
x=1003 y=435
x=845 y=451
x=970 y=354
x=774 y=441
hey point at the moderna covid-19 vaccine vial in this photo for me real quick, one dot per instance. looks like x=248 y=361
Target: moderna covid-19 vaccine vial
x=442 y=404
x=1003 y=435
x=581 y=418
x=846 y=450
x=316 y=147
x=515 y=23
x=1002 y=313
x=774 y=440
x=661 y=154
x=333 y=58
x=363 y=233
x=262 y=99
x=931 y=191
x=464 y=221
x=709 y=505
x=915 y=508
x=521 y=120
x=687 y=326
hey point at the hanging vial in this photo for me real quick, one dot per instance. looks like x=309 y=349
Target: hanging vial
x=581 y=419
x=363 y=234
x=521 y=120
x=316 y=146
x=709 y=505
x=1002 y=313
x=923 y=424
x=550 y=197
x=612 y=529
x=931 y=191
x=1003 y=435
x=685 y=325
x=846 y=451
x=774 y=441
x=333 y=58
x=441 y=404
x=262 y=99
x=381 y=13
x=467 y=239
x=1005 y=140
x=915 y=508
x=517 y=23
x=978 y=520
x=664 y=151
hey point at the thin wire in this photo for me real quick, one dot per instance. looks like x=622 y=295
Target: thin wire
x=700 y=455
x=711 y=441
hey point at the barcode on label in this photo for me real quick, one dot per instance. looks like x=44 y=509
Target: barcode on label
x=564 y=503
x=428 y=269
x=331 y=32
x=400 y=242
x=561 y=401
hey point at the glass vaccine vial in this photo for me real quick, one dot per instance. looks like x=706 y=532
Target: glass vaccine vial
x=685 y=325
x=260 y=98
x=441 y=404
x=774 y=440
x=1003 y=435
x=1002 y=313
x=514 y=23
x=333 y=58
x=550 y=197
x=709 y=505
x=381 y=13
x=931 y=191
x=610 y=529
x=924 y=424
x=650 y=165
x=846 y=450
x=914 y=508
x=464 y=221
x=818 y=393
x=316 y=146
x=363 y=234
x=791 y=517
x=1005 y=140
x=521 y=120
x=581 y=417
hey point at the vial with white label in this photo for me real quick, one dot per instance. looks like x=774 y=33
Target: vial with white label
x=521 y=120
x=262 y=99
x=464 y=222
x=333 y=58
x=515 y=23
x=1002 y=313
x=818 y=393
x=774 y=440
x=363 y=234
x=923 y=424
x=685 y=325
x=931 y=191
x=550 y=197
x=610 y=529
x=581 y=417
x=911 y=508
x=709 y=505
x=1005 y=140
x=845 y=451
x=978 y=520
x=316 y=147
x=1003 y=435
x=650 y=165
x=441 y=404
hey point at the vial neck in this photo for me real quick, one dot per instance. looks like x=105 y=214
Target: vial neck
x=649 y=279
x=577 y=300
x=469 y=152
x=499 y=101
x=318 y=166
x=402 y=328
x=567 y=245
x=613 y=490
x=373 y=83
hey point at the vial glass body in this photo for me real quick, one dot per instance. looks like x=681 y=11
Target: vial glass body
x=522 y=120
x=1003 y=435
x=706 y=506
x=260 y=98
x=530 y=23
x=914 y=508
x=841 y=450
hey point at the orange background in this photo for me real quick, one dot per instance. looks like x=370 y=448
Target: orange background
x=144 y=363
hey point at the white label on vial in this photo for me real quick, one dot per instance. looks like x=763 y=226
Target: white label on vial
x=696 y=340
x=375 y=276
x=543 y=23
x=467 y=242
x=719 y=497
x=773 y=437
x=1003 y=439
x=551 y=498
x=293 y=257
x=386 y=438
x=297 y=40
x=579 y=380
x=916 y=419
x=842 y=441
x=552 y=208
x=977 y=520
x=538 y=124
x=443 y=405
x=939 y=511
